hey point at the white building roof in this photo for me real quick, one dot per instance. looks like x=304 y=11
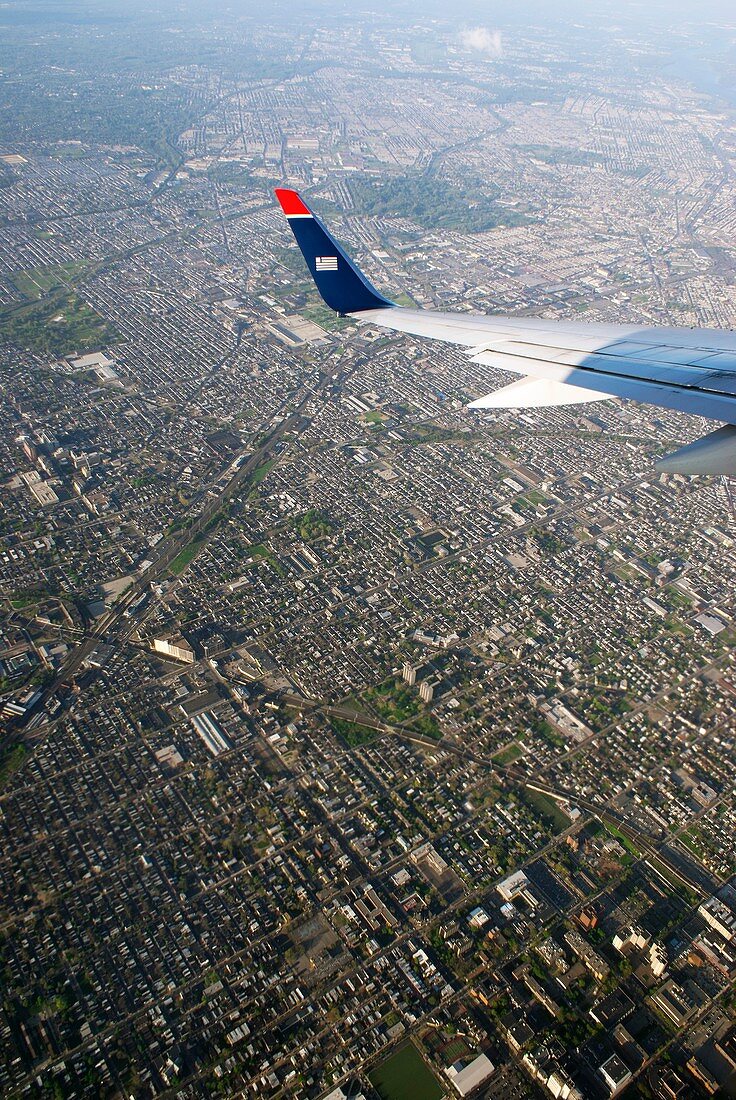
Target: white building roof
x=467 y=1079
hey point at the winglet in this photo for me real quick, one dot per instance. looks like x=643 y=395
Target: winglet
x=342 y=285
x=291 y=203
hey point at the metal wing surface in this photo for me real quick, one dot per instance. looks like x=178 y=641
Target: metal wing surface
x=691 y=370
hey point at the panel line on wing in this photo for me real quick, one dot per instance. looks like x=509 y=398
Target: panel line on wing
x=513 y=355
x=719 y=406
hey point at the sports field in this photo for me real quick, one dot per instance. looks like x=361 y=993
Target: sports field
x=406 y=1076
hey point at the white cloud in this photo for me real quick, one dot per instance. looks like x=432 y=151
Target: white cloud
x=483 y=40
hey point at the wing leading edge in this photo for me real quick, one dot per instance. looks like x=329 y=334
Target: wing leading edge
x=562 y=362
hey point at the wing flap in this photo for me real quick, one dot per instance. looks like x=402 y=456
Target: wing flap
x=537 y=393
x=626 y=367
x=688 y=399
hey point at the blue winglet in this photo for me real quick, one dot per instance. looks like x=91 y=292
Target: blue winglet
x=343 y=287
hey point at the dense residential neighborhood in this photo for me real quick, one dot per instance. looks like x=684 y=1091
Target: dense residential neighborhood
x=350 y=736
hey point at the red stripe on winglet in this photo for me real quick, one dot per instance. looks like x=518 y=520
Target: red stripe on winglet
x=290 y=201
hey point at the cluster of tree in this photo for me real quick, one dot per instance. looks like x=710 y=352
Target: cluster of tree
x=559 y=154
x=313 y=524
x=56 y=326
x=431 y=202
x=353 y=733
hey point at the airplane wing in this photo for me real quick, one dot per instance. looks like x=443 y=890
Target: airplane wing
x=561 y=362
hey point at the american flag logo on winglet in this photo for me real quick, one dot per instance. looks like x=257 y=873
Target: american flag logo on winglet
x=326 y=263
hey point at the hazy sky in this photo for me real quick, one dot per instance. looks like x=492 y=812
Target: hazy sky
x=480 y=10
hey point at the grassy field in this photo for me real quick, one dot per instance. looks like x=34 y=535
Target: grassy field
x=427 y=725
x=59 y=325
x=630 y=847
x=508 y=755
x=40 y=280
x=260 y=553
x=263 y=471
x=320 y=314
x=185 y=557
x=547 y=808
x=10 y=761
x=406 y=1076
x=353 y=733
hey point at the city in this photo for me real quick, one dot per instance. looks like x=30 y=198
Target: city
x=356 y=744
